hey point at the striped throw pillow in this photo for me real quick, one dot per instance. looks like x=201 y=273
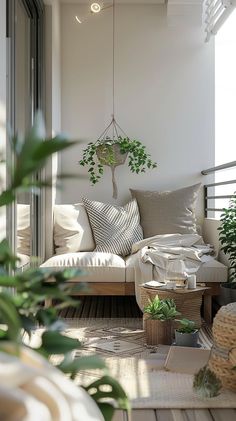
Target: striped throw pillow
x=115 y=228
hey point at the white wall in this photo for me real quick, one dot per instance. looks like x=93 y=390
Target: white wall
x=164 y=95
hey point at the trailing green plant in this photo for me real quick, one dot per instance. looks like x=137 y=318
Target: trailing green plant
x=158 y=309
x=186 y=326
x=227 y=237
x=206 y=383
x=23 y=311
x=138 y=159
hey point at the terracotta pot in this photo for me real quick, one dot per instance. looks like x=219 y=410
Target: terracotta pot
x=158 y=332
x=119 y=158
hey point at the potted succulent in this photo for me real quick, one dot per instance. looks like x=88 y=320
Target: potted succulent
x=227 y=238
x=206 y=384
x=158 y=316
x=113 y=152
x=187 y=334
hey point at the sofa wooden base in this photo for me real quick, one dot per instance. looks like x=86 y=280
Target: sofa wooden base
x=103 y=288
x=109 y=288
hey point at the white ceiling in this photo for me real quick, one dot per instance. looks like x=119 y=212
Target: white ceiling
x=117 y=1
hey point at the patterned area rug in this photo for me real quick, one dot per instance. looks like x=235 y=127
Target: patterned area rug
x=138 y=367
x=123 y=336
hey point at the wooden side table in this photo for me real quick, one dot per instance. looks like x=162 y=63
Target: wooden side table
x=188 y=301
x=213 y=289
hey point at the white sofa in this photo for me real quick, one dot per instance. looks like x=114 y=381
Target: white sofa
x=106 y=273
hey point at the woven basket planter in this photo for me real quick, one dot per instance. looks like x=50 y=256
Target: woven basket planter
x=158 y=332
x=188 y=304
x=103 y=154
x=119 y=158
x=223 y=355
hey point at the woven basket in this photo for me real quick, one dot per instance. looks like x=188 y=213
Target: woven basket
x=119 y=158
x=188 y=304
x=223 y=355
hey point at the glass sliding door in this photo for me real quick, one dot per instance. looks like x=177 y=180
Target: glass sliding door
x=25 y=23
x=23 y=120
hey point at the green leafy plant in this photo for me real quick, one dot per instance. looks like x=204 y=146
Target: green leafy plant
x=186 y=326
x=227 y=238
x=158 y=309
x=206 y=383
x=24 y=310
x=138 y=159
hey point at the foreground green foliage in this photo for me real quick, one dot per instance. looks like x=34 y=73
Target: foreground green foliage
x=227 y=237
x=158 y=309
x=138 y=159
x=31 y=154
x=22 y=295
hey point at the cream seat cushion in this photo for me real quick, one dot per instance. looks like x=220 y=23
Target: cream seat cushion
x=97 y=266
x=211 y=271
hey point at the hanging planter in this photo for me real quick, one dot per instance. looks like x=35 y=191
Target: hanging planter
x=110 y=154
x=113 y=151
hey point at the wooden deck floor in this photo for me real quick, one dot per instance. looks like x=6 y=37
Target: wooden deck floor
x=177 y=415
x=104 y=307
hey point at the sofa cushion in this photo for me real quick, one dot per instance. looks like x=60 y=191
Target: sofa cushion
x=210 y=271
x=115 y=228
x=23 y=229
x=167 y=212
x=24 y=261
x=72 y=231
x=98 y=267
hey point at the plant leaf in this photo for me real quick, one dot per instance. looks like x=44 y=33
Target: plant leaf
x=55 y=343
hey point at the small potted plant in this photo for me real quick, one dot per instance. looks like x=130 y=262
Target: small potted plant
x=158 y=316
x=113 y=152
x=187 y=334
x=227 y=238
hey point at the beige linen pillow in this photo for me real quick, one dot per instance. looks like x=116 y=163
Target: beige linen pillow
x=72 y=231
x=168 y=212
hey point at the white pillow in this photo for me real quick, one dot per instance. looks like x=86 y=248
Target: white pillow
x=23 y=229
x=72 y=231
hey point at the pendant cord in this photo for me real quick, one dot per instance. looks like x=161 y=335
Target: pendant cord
x=113 y=61
x=113 y=126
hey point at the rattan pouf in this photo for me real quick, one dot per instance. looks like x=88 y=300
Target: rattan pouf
x=223 y=355
x=188 y=302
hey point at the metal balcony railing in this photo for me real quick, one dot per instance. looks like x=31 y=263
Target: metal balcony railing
x=217 y=197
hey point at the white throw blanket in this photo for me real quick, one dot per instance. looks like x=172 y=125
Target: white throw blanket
x=168 y=256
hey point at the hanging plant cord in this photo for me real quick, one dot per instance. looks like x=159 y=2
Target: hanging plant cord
x=114 y=145
x=114 y=127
